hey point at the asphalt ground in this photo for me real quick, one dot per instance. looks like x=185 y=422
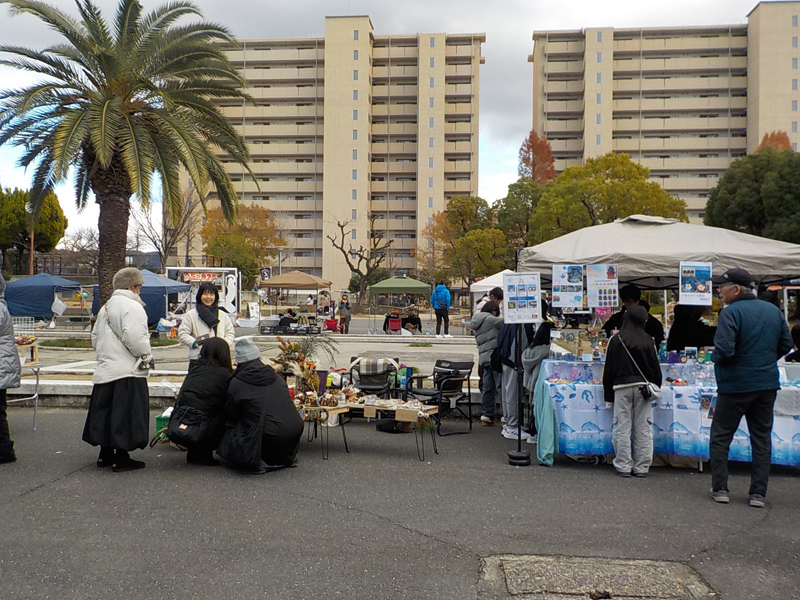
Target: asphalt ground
x=375 y=523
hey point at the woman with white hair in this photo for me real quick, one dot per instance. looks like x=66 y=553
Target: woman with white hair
x=118 y=411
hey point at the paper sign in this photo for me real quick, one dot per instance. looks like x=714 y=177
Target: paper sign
x=602 y=285
x=696 y=289
x=568 y=286
x=521 y=295
x=370 y=412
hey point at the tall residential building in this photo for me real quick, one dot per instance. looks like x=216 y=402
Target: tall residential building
x=355 y=124
x=682 y=101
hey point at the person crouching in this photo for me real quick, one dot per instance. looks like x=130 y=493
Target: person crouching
x=263 y=428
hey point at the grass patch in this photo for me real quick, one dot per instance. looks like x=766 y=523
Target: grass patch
x=66 y=343
x=420 y=345
x=159 y=342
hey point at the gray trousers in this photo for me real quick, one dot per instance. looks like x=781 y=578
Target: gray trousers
x=633 y=427
x=510 y=396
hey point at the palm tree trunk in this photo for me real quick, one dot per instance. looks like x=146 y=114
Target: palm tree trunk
x=112 y=227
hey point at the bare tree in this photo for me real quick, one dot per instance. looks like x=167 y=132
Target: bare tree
x=165 y=236
x=362 y=260
x=79 y=250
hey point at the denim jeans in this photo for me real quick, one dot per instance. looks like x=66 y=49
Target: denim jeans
x=491 y=391
x=632 y=435
x=756 y=407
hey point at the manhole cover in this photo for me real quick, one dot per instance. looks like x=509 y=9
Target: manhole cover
x=562 y=577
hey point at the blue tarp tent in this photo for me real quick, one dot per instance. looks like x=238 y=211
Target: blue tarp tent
x=155 y=291
x=33 y=296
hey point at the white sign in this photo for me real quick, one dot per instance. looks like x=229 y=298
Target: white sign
x=602 y=286
x=695 y=278
x=521 y=298
x=568 y=286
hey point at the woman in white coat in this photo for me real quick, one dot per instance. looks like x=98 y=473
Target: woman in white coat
x=205 y=320
x=118 y=410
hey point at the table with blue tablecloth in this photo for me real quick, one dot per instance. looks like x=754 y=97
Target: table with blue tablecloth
x=573 y=418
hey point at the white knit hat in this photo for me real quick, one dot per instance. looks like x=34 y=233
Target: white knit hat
x=246 y=350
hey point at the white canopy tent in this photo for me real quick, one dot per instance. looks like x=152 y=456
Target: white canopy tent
x=489 y=283
x=648 y=251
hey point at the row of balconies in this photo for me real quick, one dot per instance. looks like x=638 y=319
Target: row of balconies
x=677 y=64
x=555 y=48
x=679 y=123
x=661 y=83
x=644 y=105
x=718 y=145
x=276 y=54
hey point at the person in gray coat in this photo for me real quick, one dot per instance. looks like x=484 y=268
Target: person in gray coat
x=486 y=325
x=9 y=374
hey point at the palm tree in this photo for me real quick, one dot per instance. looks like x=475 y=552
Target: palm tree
x=123 y=106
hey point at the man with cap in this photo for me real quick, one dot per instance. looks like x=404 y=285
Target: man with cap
x=751 y=337
x=344 y=314
x=118 y=410
x=9 y=374
x=256 y=395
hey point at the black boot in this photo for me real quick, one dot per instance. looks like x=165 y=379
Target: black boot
x=203 y=457
x=106 y=457
x=124 y=462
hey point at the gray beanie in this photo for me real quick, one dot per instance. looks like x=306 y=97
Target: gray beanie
x=125 y=278
x=246 y=350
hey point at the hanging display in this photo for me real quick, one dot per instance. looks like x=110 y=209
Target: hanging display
x=568 y=286
x=602 y=285
x=521 y=298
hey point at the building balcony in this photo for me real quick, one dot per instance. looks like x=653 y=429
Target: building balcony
x=680 y=84
x=383 y=187
x=682 y=43
x=680 y=124
x=393 y=148
x=393 y=167
x=552 y=126
x=677 y=105
x=711 y=144
x=396 y=110
x=283 y=74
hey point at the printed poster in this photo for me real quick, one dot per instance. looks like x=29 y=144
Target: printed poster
x=602 y=286
x=696 y=289
x=568 y=286
x=521 y=298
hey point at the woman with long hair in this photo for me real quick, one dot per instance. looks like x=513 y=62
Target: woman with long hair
x=205 y=389
x=204 y=321
x=632 y=363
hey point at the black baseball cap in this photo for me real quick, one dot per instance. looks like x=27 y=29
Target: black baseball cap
x=735 y=276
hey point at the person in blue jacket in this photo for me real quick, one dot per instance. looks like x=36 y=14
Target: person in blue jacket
x=440 y=301
x=750 y=338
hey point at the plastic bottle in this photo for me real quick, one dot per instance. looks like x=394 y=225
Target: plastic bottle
x=573 y=373
x=587 y=374
x=662 y=351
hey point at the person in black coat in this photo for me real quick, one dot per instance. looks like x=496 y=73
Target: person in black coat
x=628 y=353
x=794 y=355
x=256 y=389
x=688 y=330
x=631 y=295
x=205 y=389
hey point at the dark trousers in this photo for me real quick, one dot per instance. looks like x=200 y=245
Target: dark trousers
x=6 y=445
x=756 y=407
x=442 y=315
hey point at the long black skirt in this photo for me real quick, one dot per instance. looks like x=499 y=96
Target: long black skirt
x=118 y=414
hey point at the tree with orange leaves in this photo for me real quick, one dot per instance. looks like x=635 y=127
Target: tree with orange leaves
x=536 y=159
x=775 y=139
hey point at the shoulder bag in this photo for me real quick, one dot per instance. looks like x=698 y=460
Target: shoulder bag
x=650 y=390
x=187 y=426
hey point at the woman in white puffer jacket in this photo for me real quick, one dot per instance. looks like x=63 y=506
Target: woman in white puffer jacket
x=204 y=321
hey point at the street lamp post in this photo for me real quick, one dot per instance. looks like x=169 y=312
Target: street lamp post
x=280 y=259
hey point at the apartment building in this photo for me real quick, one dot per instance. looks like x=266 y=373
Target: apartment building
x=355 y=124
x=682 y=101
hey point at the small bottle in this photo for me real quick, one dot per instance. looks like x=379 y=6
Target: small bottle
x=662 y=351
x=587 y=374
x=573 y=374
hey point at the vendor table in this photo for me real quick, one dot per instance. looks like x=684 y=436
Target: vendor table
x=415 y=321
x=573 y=418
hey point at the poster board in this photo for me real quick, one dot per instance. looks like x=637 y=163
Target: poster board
x=695 y=284
x=522 y=298
x=568 y=286
x=602 y=285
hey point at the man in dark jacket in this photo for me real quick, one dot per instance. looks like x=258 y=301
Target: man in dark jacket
x=751 y=337
x=631 y=295
x=257 y=394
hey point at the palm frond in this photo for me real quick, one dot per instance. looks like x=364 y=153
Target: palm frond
x=104 y=123
x=138 y=155
x=82 y=184
x=69 y=136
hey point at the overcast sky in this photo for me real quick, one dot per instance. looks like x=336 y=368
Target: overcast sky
x=506 y=78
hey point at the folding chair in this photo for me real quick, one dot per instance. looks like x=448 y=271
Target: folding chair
x=448 y=391
x=331 y=325
x=395 y=325
x=374 y=375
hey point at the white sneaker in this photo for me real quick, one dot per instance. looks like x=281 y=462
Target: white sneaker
x=511 y=434
x=438 y=336
x=503 y=420
x=447 y=335
x=533 y=439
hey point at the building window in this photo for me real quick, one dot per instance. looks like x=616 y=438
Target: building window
x=432 y=82
x=355 y=134
x=355 y=115
x=430 y=121
x=355 y=194
x=794 y=20
x=355 y=54
x=599 y=78
x=430 y=142
x=430 y=162
x=794 y=105
x=433 y=42
x=355 y=74
x=794 y=126
x=430 y=182
x=353 y=234
x=794 y=147
x=355 y=35
x=355 y=154
x=794 y=85
x=598 y=118
x=598 y=139
x=432 y=62
x=599 y=98
x=794 y=63
x=355 y=94
x=794 y=42
x=355 y=213
x=599 y=37
x=430 y=102
x=355 y=174
x=599 y=57
x=430 y=202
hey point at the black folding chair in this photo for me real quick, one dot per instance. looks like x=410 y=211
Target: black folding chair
x=448 y=391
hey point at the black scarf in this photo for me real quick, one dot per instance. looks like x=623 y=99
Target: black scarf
x=209 y=315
